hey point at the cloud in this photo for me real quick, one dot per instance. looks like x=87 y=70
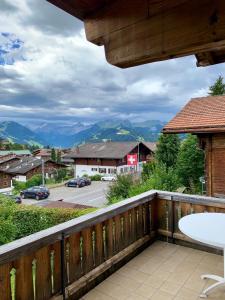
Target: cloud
x=48 y=71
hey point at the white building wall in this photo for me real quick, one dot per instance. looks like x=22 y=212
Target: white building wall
x=22 y=178
x=90 y=170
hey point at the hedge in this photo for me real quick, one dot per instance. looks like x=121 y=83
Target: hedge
x=17 y=221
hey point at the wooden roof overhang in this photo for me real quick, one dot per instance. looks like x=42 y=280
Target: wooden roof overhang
x=136 y=32
x=195 y=130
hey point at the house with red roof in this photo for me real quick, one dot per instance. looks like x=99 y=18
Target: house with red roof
x=205 y=117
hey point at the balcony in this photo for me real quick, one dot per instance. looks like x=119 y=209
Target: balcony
x=130 y=250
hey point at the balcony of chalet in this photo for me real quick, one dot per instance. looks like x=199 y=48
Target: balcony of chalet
x=130 y=250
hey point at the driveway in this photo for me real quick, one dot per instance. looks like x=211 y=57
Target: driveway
x=92 y=195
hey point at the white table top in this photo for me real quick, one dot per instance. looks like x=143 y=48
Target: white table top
x=208 y=228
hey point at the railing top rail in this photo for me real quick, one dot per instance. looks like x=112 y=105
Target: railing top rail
x=38 y=240
x=194 y=199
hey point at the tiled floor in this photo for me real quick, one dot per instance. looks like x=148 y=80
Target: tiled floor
x=162 y=272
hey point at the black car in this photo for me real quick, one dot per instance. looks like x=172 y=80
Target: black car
x=35 y=193
x=79 y=182
x=87 y=180
x=43 y=188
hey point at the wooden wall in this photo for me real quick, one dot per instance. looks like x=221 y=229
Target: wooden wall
x=214 y=146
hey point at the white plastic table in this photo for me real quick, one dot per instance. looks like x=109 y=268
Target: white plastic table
x=208 y=228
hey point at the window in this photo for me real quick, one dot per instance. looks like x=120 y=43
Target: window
x=121 y=170
x=102 y=170
x=111 y=171
x=94 y=169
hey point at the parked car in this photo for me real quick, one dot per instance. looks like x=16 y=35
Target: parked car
x=87 y=180
x=79 y=182
x=108 y=178
x=35 y=192
x=44 y=189
x=16 y=199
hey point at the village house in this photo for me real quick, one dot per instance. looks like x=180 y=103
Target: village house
x=7 y=160
x=109 y=157
x=205 y=117
x=5 y=181
x=27 y=167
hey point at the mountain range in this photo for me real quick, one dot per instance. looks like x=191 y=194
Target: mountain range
x=68 y=135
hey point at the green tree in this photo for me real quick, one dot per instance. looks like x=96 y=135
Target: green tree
x=53 y=154
x=147 y=170
x=190 y=163
x=119 y=190
x=167 y=149
x=58 y=156
x=218 y=88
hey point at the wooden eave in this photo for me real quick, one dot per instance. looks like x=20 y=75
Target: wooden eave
x=135 y=32
x=195 y=130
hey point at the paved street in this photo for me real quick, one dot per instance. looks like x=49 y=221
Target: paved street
x=92 y=195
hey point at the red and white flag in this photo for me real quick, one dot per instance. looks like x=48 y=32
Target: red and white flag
x=132 y=159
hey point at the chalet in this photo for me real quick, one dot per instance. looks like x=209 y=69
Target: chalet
x=30 y=166
x=109 y=157
x=42 y=153
x=205 y=117
x=5 y=181
x=6 y=161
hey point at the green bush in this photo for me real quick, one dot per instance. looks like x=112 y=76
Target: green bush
x=17 y=221
x=147 y=170
x=96 y=177
x=119 y=190
x=34 y=181
x=30 y=219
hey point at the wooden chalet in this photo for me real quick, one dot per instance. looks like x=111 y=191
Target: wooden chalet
x=5 y=181
x=135 y=32
x=26 y=168
x=205 y=117
x=109 y=157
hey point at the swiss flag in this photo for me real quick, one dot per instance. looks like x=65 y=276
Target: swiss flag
x=132 y=159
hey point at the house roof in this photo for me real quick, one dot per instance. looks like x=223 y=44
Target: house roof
x=206 y=114
x=61 y=204
x=26 y=164
x=16 y=152
x=110 y=150
x=8 y=159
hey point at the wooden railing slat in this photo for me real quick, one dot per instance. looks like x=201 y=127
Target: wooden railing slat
x=109 y=238
x=24 y=278
x=74 y=257
x=99 y=256
x=87 y=259
x=5 y=287
x=43 y=274
x=57 y=267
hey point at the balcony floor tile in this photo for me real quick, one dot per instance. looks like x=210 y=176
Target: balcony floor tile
x=162 y=272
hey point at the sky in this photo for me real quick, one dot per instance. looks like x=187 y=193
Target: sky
x=50 y=72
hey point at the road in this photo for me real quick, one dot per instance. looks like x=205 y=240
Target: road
x=92 y=195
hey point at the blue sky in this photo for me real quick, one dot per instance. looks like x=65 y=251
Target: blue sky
x=49 y=72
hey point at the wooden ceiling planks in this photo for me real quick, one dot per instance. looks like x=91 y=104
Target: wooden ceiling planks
x=138 y=32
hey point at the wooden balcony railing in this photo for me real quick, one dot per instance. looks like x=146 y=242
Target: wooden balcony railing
x=65 y=261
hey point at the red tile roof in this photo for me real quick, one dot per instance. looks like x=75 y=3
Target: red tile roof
x=206 y=114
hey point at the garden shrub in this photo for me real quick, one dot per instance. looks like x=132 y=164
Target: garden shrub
x=119 y=190
x=17 y=221
x=96 y=177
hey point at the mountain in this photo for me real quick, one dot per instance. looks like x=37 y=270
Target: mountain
x=17 y=133
x=69 y=135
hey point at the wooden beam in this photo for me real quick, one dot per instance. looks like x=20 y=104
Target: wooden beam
x=140 y=32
